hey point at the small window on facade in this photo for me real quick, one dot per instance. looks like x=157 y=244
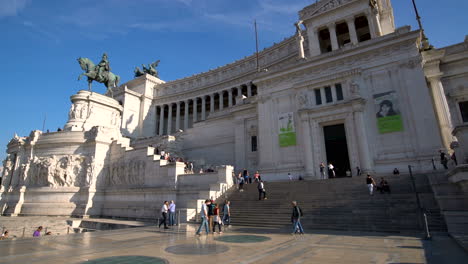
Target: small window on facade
x=339 y=92
x=464 y=110
x=328 y=94
x=318 y=97
x=254 y=143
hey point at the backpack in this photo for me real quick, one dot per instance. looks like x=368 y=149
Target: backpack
x=300 y=211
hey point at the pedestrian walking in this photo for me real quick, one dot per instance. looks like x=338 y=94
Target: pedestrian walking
x=245 y=174
x=443 y=159
x=211 y=208
x=290 y=177
x=261 y=190
x=241 y=182
x=358 y=171
x=164 y=210
x=296 y=218
x=217 y=220
x=227 y=213
x=331 y=170
x=370 y=184
x=322 y=171
x=172 y=212
x=204 y=218
x=257 y=176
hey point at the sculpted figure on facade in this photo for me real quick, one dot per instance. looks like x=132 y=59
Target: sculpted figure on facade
x=354 y=88
x=7 y=170
x=303 y=99
x=71 y=113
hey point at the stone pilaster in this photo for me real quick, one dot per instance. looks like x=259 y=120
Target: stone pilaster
x=211 y=103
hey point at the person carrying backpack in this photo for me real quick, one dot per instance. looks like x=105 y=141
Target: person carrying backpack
x=296 y=218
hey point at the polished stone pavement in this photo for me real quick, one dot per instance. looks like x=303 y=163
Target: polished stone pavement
x=237 y=245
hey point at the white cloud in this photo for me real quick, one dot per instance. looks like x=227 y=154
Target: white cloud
x=12 y=7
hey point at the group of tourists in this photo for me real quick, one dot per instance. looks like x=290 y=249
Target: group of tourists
x=383 y=185
x=444 y=159
x=210 y=215
x=168 y=213
x=243 y=177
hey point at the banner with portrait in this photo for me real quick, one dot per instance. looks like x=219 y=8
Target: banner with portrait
x=287 y=133
x=388 y=112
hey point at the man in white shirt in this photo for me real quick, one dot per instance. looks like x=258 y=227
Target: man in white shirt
x=164 y=210
x=204 y=217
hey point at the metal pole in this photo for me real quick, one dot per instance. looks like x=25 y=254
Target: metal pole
x=433 y=164
x=68 y=230
x=158 y=223
x=428 y=235
x=24 y=230
x=256 y=46
x=178 y=217
x=416 y=194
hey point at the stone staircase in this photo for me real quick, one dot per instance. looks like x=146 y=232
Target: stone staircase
x=340 y=204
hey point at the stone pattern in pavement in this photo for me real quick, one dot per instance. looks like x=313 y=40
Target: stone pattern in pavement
x=314 y=247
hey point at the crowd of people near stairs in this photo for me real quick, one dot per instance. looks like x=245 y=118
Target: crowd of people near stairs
x=212 y=216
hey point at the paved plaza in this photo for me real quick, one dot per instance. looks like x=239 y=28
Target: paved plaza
x=237 y=245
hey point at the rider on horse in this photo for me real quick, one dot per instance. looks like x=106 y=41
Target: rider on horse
x=102 y=66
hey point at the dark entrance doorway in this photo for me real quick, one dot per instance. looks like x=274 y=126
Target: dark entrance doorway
x=337 y=149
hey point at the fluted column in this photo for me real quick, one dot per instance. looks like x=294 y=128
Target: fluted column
x=333 y=38
x=169 y=119
x=230 y=97
x=211 y=103
x=186 y=114
x=161 y=121
x=249 y=89
x=239 y=90
x=203 y=108
x=194 y=110
x=177 y=125
x=352 y=30
x=221 y=103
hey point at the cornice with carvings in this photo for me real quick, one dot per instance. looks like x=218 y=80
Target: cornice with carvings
x=322 y=7
x=341 y=60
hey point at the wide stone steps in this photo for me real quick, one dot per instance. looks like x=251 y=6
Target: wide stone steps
x=342 y=204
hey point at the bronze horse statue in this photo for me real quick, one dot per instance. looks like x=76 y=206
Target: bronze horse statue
x=110 y=80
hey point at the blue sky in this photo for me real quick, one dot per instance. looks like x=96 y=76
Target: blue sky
x=41 y=40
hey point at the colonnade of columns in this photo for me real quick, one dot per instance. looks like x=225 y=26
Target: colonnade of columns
x=165 y=124
x=374 y=31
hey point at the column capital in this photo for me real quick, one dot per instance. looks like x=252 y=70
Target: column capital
x=350 y=19
x=178 y=103
x=331 y=25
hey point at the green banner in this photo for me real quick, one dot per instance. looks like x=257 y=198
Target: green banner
x=286 y=133
x=389 y=124
x=388 y=114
